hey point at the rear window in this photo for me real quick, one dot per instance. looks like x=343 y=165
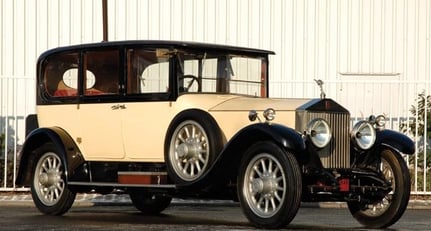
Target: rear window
x=100 y=75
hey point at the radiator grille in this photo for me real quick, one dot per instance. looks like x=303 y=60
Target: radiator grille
x=337 y=153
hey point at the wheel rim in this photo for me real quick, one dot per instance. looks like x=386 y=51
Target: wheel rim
x=48 y=182
x=377 y=209
x=189 y=152
x=264 y=185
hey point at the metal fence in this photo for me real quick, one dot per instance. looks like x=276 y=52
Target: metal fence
x=395 y=99
x=17 y=100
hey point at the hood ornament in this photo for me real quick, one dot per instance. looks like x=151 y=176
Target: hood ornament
x=320 y=84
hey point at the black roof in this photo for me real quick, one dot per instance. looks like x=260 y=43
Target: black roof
x=160 y=44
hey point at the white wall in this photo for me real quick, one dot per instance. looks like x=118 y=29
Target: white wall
x=334 y=40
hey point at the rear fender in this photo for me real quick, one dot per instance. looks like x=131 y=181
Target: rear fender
x=64 y=144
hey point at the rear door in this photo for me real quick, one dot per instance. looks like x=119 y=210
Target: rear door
x=100 y=107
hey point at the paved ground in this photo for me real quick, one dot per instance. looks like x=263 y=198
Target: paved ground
x=91 y=198
x=18 y=213
x=115 y=212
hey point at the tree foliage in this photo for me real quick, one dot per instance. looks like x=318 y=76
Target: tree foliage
x=419 y=125
x=2 y=141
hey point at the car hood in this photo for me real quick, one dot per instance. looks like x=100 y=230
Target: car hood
x=259 y=104
x=231 y=111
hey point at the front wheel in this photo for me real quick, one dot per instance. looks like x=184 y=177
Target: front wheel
x=389 y=210
x=269 y=185
x=49 y=187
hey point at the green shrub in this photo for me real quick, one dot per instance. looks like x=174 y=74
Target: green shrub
x=9 y=170
x=419 y=125
x=420 y=186
x=2 y=138
x=10 y=167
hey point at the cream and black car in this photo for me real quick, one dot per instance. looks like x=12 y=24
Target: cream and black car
x=165 y=119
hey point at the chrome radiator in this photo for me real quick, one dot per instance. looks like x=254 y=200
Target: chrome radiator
x=337 y=153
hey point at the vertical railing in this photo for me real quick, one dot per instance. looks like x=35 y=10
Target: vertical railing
x=16 y=101
x=361 y=98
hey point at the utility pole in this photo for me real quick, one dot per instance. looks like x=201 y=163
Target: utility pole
x=105 y=20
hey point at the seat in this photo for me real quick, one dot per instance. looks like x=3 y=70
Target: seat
x=63 y=90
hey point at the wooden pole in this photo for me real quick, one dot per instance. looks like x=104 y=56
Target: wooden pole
x=105 y=20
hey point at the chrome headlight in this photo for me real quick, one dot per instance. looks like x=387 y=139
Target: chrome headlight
x=363 y=135
x=319 y=132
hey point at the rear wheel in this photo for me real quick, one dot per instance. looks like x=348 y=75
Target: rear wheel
x=49 y=187
x=150 y=204
x=269 y=185
x=389 y=210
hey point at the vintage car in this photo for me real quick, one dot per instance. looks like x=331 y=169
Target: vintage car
x=165 y=119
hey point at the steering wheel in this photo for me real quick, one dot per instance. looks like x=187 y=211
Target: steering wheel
x=193 y=80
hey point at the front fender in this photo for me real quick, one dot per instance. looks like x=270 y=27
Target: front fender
x=225 y=167
x=284 y=136
x=61 y=139
x=395 y=140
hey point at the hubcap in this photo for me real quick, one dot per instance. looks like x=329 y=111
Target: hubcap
x=264 y=185
x=189 y=151
x=50 y=178
x=48 y=182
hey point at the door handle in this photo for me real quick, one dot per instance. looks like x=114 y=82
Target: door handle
x=118 y=106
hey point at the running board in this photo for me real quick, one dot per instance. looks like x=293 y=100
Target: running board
x=119 y=185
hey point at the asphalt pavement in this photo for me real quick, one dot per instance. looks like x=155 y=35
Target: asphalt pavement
x=114 y=212
x=416 y=202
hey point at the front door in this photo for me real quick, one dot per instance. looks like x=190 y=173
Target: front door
x=148 y=112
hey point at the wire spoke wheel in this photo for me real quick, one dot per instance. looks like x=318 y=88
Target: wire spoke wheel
x=269 y=185
x=48 y=180
x=389 y=209
x=190 y=150
x=378 y=208
x=265 y=185
x=49 y=187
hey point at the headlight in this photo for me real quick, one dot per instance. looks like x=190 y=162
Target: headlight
x=319 y=132
x=363 y=135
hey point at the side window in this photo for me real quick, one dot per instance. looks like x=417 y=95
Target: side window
x=148 y=71
x=61 y=75
x=247 y=75
x=198 y=71
x=101 y=72
x=220 y=72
